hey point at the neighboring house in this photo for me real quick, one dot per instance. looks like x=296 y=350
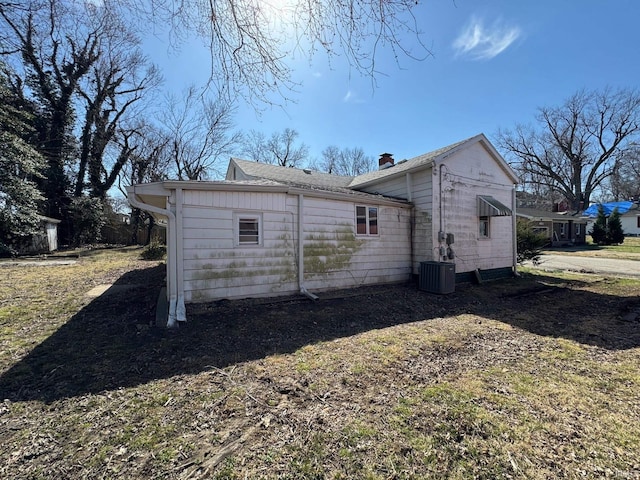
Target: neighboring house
x=629 y=215
x=561 y=229
x=630 y=221
x=268 y=230
x=46 y=240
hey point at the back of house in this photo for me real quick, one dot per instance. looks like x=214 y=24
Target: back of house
x=268 y=230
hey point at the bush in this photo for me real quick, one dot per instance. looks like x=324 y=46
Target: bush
x=530 y=243
x=88 y=216
x=154 y=251
x=599 y=230
x=607 y=231
x=615 y=234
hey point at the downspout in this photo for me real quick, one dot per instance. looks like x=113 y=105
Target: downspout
x=172 y=287
x=411 y=221
x=181 y=313
x=440 y=218
x=514 y=221
x=303 y=289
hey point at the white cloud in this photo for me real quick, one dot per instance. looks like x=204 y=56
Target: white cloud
x=348 y=96
x=483 y=43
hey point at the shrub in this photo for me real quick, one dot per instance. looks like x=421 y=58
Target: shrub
x=154 y=251
x=615 y=234
x=530 y=243
x=599 y=230
x=607 y=231
x=88 y=218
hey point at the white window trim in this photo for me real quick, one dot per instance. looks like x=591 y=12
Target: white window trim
x=367 y=220
x=236 y=228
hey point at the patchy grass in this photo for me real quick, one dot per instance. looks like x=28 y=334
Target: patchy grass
x=629 y=250
x=531 y=378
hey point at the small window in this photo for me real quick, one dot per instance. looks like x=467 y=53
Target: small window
x=484 y=227
x=577 y=229
x=562 y=229
x=638 y=220
x=366 y=220
x=248 y=229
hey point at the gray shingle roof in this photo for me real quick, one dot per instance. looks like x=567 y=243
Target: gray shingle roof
x=315 y=181
x=292 y=176
x=535 y=213
x=405 y=165
x=327 y=181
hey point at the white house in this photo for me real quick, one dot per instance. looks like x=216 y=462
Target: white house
x=630 y=221
x=268 y=230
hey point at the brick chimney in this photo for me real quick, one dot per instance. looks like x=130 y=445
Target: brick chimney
x=385 y=161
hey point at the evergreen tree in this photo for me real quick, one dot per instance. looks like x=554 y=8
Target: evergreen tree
x=20 y=165
x=599 y=230
x=530 y=243
x=615 y=235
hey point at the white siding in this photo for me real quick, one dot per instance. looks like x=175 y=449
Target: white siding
x=467 y=174
x=424 y=228
x=421 y=195
x=630 y=224
x=335 y=257
x=215 y=267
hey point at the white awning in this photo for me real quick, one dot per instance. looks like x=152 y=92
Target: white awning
x=490 y=207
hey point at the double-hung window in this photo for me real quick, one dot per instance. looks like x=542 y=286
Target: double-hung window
x=366 y=220
x=248 y=229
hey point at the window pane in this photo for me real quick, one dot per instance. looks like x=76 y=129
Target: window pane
x=361 y=226
x=484 y=227
x=361 y=220
x=373 y=221
x=248 y=231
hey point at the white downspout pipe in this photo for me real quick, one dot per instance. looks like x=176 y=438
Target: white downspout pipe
x=172 y=284
x=303 y=289
x=181 y=313
x=514 y=221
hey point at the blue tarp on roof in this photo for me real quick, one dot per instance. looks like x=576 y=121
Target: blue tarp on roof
x=623 y=207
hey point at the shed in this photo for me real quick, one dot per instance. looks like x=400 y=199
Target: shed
x=268 y=230
x=45 y=240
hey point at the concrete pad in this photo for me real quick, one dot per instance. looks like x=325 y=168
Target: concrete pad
x=98 y=290
x=107 y=288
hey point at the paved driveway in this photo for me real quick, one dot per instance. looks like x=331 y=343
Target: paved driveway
x=608 y=266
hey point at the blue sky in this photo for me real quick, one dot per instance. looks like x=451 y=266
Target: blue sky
x=494 y=63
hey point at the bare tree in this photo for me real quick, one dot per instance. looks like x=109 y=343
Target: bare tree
x=283 y=150
x=279 y=149
x=625 y=182
x=200 y=133
x=149 y=162
x=345 y=161
x=578 y=145
x=251 y=41
x=116 y=83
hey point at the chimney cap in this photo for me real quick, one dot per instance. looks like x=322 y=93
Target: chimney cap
x=386 y=154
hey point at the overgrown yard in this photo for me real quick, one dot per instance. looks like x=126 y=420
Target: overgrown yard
x=536 y=377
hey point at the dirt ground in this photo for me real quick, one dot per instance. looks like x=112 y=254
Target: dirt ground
x=242 y=380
